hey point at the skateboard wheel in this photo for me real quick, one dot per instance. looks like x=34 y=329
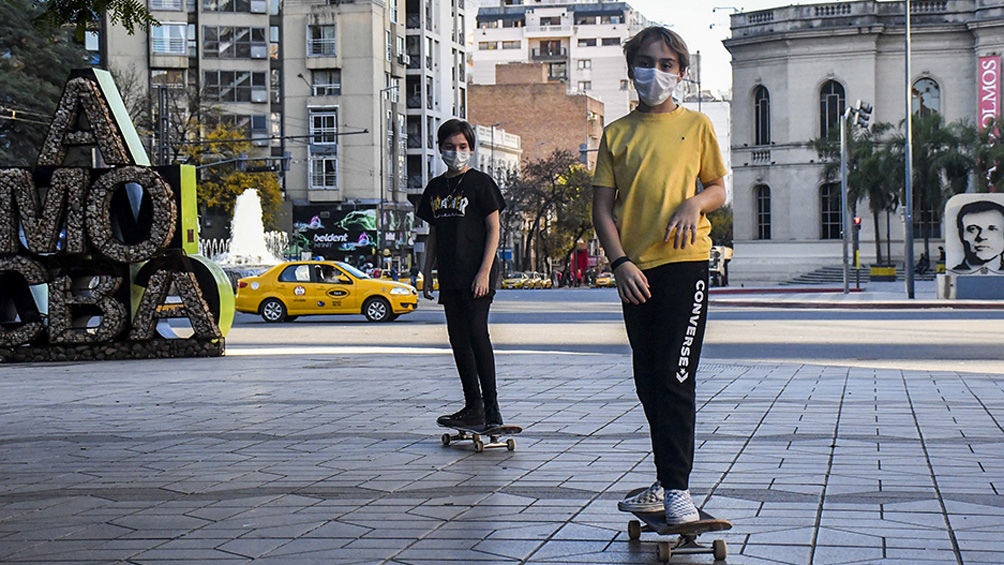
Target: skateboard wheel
x=719 y=549
x=510 y=444
x=634 y=530
x=479 y=446
x=446 y=439
x=664 y=551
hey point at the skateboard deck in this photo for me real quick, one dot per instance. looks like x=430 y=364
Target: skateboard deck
x=686 y=543
x=477 y=435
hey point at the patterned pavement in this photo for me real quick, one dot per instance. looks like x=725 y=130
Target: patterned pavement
x=331 y=455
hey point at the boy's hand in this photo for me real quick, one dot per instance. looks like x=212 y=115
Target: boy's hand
x=632 y=285
x=683 y=224
x=480 y=285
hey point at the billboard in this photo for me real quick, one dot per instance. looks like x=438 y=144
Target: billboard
x=989 y=84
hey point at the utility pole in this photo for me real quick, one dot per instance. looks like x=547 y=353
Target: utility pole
x=908 y=180
x=862 y=111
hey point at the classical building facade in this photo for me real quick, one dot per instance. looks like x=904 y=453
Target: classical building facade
x=795 y=71
x=578 y=42
x=346 y=94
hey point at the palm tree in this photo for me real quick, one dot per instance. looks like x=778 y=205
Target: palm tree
x=989 y=153
x=868 y=164
x=942 y=163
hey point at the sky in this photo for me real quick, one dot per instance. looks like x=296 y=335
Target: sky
x=703 y=24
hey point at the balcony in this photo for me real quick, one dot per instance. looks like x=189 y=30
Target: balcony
x=760 y=156
x=548 y=30
x=550 y=54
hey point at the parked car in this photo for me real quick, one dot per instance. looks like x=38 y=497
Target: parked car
x=540 y=280
x=301 y=288
x=516 y=280
x=605 y=279
x=718 y=265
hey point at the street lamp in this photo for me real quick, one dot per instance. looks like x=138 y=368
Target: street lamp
x=383 y=164
x=492 y=164
x=862 y=111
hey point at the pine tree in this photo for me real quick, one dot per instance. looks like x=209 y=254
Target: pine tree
x=34 y=67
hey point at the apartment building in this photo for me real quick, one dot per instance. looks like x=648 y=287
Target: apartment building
x=347 y=93
x=580 y=42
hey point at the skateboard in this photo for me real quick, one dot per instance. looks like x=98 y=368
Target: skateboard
x=686 y=543
x=476 y=434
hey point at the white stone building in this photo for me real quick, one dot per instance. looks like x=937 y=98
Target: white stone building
x=795 y=70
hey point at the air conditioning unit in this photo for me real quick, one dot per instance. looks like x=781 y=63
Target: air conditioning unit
x=259 y=96
x=404 y=59
x=258 y=6
x=259 y=51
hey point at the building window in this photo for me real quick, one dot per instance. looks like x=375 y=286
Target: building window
x=235 y=86
x=550 y=20
x=488 y=45
x=625 y=84
x=832 y=222
x=324 y=173
x=585 y=85
x=591 y=42
x=167 y=5
x=321 y=41
x=831 y=107
x=513 y=22
x=761 y=102
x=585 y=20
x=926 y=98
x=762 y=211
x=607 y=41
x=169 y=77
x=585 y=63
x=557 y=71
x=326 y=82
x=615 y=19
x=234 y=42
x=324 y=127
x=235 y=6
x=169 y=39
x=511 y=44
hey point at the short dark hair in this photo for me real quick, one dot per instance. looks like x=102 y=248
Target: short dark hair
x=454 y=126
x=976 y=207
x=666 y=35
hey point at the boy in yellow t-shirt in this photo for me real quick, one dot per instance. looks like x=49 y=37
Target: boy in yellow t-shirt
x=651 y=219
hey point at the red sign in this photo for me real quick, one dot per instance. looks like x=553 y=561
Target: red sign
x=989 y=83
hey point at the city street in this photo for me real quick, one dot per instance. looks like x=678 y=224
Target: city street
x=584 y=320
x=827 y=436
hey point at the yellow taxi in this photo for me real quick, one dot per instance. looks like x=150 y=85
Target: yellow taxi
x=516 y=280
x=302 y=288
x=540 y=280
x=605 y=279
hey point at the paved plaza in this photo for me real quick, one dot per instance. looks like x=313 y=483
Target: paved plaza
x=326 y=454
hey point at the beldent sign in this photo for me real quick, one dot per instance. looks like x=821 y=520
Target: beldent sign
x=92 y=259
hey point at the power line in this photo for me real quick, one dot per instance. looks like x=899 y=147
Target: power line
x=30 y=121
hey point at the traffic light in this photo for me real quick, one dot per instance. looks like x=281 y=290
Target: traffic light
x=864 y=113
x=857 y=222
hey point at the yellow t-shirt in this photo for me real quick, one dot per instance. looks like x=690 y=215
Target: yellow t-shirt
x=653 y=161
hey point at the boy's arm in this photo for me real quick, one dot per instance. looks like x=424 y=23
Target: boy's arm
x=632 y=285
x=430 y=262
x=483 y=279
x=685 y=219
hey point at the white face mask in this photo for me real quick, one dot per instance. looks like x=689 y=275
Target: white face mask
x=456 y=160
x=654 y=86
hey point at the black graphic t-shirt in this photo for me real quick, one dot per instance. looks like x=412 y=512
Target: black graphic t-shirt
x=457 y=208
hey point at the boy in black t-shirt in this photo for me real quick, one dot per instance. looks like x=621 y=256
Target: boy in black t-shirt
x=462 y=208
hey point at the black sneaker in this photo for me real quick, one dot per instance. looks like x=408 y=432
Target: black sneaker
x=466 y=418
x=493 y=418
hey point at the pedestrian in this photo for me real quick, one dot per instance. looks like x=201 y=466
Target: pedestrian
x=462 y=208
x=651 y=217
x=393 y=273
x=413 y=275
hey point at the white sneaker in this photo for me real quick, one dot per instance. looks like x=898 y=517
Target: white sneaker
x=680 y=508
x=648 y=500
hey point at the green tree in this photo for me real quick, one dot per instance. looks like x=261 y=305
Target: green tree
x=220 y=185
x=721 y=226
x=85 y=15
x=33 y=69
x=869 y=160
x=943 y=160
x=989 y=153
